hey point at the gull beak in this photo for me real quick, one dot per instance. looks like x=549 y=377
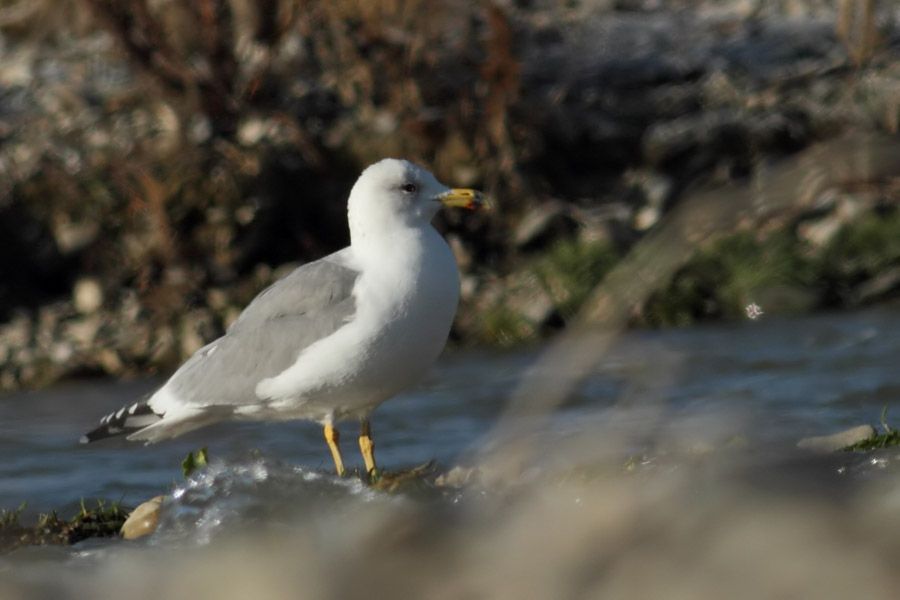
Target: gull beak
x=464 y=198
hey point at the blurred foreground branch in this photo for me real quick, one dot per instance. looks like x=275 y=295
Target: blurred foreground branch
x=700 y=219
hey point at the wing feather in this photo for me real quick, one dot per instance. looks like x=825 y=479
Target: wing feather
x=309 y=304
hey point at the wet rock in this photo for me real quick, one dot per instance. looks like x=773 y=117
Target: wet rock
x=143 y=520
x=87 y=295
x=837 y=441
x=457 y=477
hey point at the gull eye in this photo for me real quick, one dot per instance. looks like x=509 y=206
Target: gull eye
x=409 y=188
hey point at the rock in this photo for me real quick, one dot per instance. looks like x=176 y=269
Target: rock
x=191 y=341
x=87 y=295
x=653 y=190
x=611 y=222
x=881 y=285
x=544 y=222
x=109 y=361
x=71 y=237
x=18 y=332
x=836 y=441
x=163 y=348
x=197 y=327
x=61 y=352
x=8 y=380
x=143 y=520
x=646 y=217
x=82 y=331
x=468 y=287
x=252 y=131
x=818 y=233
x=457 y=477
x=217 y=299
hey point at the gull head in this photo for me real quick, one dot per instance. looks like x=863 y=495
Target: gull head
x=396 y=193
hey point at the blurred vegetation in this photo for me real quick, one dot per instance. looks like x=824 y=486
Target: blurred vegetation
x=722 y=280
x=860 y=252
x=546 y=292
x=100 y=520
x=782 y=273
x=889 y=437
x=193 y=463
x=570 y=269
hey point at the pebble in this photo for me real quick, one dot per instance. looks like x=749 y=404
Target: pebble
x=143 y=520
x=87 y=295
x=837 y=441
x=646 y=217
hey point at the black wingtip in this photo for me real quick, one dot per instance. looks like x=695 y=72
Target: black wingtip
x=122 y=422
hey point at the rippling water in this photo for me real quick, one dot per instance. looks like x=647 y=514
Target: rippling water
x=658 y=405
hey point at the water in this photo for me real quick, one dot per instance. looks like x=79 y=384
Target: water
x=764 y=384
x=787 y=378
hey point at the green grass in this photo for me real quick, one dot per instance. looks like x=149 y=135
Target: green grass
x=193 y=462
x=10 y=517
x=501 y=326
x=570 y=270
x=860 y=251
x=567 y=272
x=779 y=272
x=721 y=281
x=890 y=437
x=881 y=440
x=101 y=519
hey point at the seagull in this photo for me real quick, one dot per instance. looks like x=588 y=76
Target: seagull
x=336 y=337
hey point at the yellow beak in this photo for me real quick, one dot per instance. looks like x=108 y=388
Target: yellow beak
x=464 y=198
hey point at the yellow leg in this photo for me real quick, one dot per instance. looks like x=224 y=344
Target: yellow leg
x=333 y=437
x=367 y=446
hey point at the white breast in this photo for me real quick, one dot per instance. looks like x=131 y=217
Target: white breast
x=406 y=299
x=413 y=316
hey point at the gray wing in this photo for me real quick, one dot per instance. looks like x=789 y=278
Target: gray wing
x=311 y=303
x=309 y=290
